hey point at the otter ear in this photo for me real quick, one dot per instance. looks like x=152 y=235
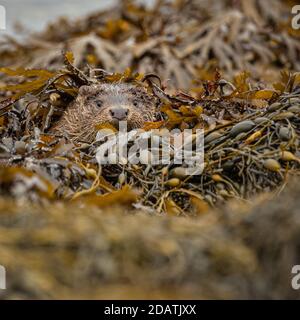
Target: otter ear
x=87 y=90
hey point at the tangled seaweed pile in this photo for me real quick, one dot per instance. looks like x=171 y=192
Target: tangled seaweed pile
x=251 y=140
x=178 y=40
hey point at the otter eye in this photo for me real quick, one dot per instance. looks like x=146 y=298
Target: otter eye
x=99 y=103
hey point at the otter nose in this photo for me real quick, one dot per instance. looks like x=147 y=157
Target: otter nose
x=119 y=113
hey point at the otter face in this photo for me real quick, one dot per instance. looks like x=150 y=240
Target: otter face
x=112 y=103
x=107 y=103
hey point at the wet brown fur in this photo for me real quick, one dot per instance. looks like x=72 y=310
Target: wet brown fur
x=92 y=107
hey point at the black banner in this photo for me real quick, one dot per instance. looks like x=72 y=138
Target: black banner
x=184 y=309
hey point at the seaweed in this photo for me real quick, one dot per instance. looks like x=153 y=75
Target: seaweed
x=251 y=138
x=179 y=41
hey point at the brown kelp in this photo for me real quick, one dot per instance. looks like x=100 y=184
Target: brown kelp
x=180 y=40
x=251 y=138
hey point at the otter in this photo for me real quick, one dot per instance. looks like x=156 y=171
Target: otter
x=106 y=103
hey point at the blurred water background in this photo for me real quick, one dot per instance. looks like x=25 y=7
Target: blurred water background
x=35 y=14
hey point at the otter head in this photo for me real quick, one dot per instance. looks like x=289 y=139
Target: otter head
x=106 y=104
